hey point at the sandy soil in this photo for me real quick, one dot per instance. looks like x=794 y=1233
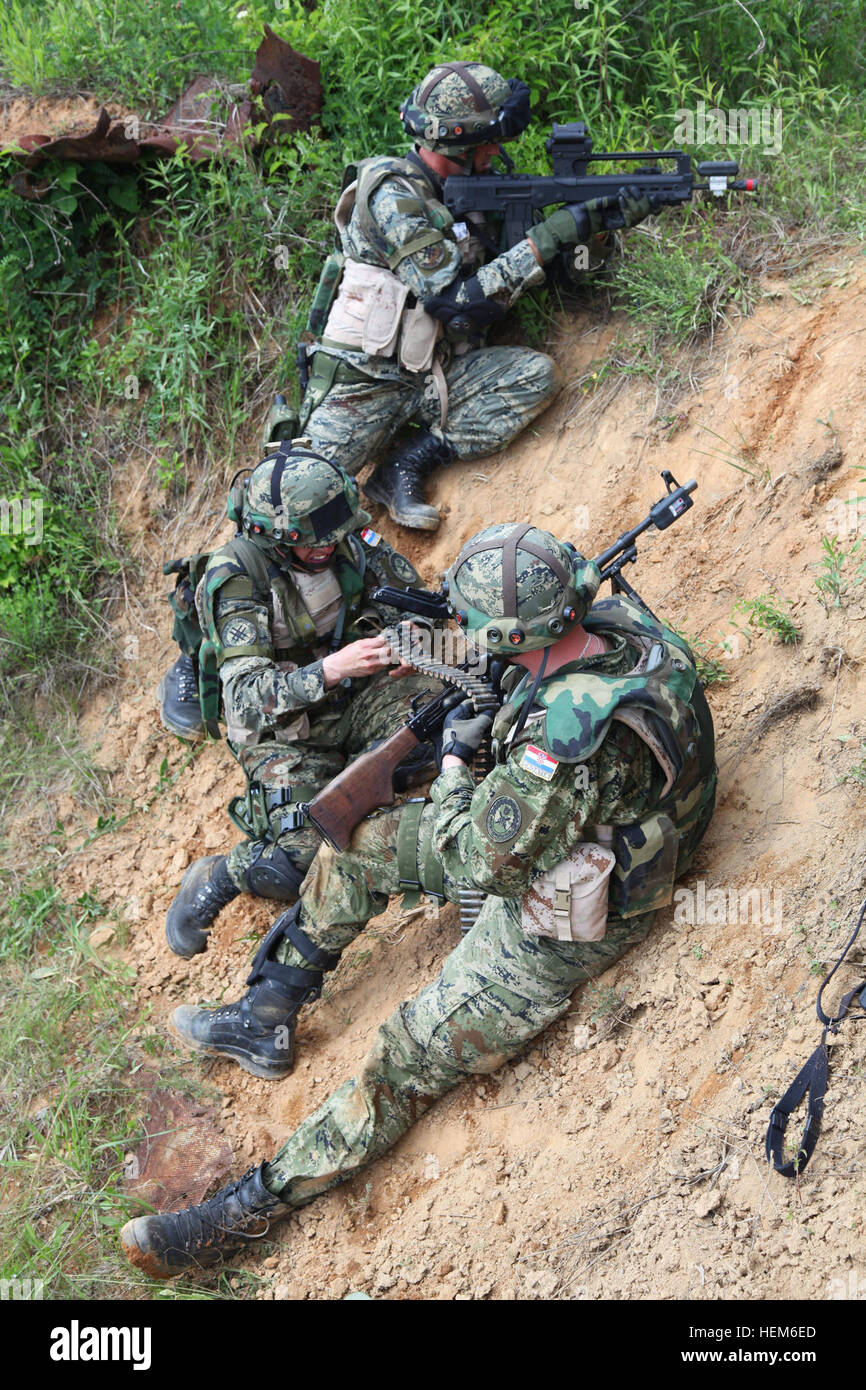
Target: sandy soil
x=622 y=1156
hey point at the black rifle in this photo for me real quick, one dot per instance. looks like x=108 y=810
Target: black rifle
x=520 y=197
x=431 y=603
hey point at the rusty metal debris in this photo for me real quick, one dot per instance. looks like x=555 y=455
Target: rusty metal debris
x=208 y=116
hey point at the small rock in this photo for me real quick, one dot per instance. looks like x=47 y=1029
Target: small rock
x=522 y=1071
x=281 y=1291
x=180 y=861
x=271 y=1262
x=499 y=1213
x=384 y=1282
x=707 y=1203
x=581 y=1037
x=444 y=1268
x=101 y=937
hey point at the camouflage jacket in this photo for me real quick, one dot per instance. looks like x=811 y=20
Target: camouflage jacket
x=623 y=739
x=398 y=221
x=247 y=605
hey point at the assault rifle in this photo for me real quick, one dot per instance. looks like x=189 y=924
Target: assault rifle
x=520 y=197
x=367 y=783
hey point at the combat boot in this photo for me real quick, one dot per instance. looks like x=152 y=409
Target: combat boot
x=179 y=707
x=258 y=1030
x=398 y=483
x=204 y=890
x=169 y=1242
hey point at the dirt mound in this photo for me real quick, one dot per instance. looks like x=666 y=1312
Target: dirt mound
x=622 y=1156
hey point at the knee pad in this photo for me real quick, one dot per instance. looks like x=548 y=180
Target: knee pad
x=275 y=877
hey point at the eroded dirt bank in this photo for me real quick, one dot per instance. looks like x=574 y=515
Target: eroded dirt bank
x=623 y=1155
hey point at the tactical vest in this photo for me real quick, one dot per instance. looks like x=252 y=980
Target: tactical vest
x=661 y=699
x=361 y=305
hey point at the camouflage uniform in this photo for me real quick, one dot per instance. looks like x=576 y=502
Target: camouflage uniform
x=288 y=733
x=501 y=986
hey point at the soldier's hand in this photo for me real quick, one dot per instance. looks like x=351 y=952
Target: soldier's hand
x=570 y=225
x=631 y=206
x=463 y=731
x=366 y=657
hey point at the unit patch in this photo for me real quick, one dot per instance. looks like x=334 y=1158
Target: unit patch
x=369 y=536
x=503 y=819
x=537 y=761
x=238 y=632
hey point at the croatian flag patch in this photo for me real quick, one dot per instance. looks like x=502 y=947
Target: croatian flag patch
x=537 y=761
x=370 y=536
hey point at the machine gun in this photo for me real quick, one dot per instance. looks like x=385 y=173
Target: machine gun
x=434 y=603
x=518 y=198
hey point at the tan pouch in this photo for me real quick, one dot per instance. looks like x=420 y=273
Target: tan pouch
x=367 y=311
x=570 y=901
x=420 y=332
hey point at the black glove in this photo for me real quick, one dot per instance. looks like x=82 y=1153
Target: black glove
x=630 y=207
x=479 y=312
x=463 y=731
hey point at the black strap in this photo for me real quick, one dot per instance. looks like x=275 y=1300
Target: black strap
x=812 y=1078
x=307 y=982
x=322 y=960
x=286 y=927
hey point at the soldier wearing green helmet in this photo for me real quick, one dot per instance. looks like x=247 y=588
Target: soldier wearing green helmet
x=602 y=787
x=401 y=313
x=293 y=641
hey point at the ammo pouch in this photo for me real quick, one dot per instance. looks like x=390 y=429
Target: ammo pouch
x=570 y=901
x=646 y=863
x=369 y=315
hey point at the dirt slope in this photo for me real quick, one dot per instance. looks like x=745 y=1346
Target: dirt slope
x=623 y=1156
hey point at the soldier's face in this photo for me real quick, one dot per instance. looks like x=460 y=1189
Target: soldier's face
x=483 y=156
x=315 y=557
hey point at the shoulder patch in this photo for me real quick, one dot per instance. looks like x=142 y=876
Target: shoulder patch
x=430 y=257
x=538 y=762
x=369 y=536
x=402 y=569
x=238 y=632
x=503 y=820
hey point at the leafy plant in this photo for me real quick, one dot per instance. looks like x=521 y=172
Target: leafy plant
x=768 y=615
x=834 y=579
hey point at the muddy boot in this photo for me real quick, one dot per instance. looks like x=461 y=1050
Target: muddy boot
x=258 y=1031
x=204 y=890
x=398 y=483
x=166 y=1244
x=177 y=694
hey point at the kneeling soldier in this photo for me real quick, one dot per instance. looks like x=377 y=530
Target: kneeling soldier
x=293 y=639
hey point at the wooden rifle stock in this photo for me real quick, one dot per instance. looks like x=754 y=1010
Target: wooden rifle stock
x=361 y=787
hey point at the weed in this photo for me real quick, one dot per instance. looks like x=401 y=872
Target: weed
x=767 y=614
x=834 y=579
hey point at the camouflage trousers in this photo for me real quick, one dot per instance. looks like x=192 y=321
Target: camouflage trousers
x=336 y=737
x=496 y=991
x=493 y=393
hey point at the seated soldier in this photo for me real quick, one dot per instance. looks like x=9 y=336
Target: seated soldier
x=290 y=628
x=603 y=786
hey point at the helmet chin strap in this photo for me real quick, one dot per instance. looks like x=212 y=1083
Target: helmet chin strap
x=527 y=705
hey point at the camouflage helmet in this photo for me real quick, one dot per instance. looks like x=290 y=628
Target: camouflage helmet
x=460 y=105
x=296 y=496
x=517 y=588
